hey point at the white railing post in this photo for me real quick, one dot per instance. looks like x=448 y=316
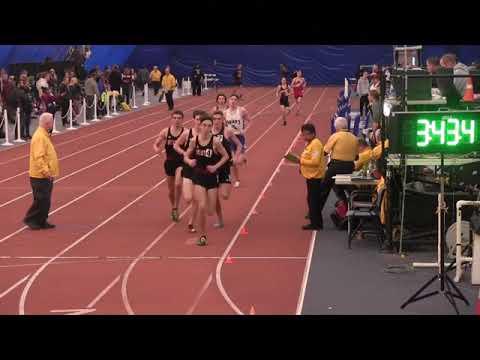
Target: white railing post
x=70 y=115
x=19 y=137
x=5 y=127
x=134 y=100
x=145 y=91
x=95 y=118
x=115 y=113
x=84 y=109
x=107 y=104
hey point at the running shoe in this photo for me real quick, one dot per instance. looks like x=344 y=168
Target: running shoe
x=237 y=184
x=175 y=217
x=191 y=229
x=219 y=225
x=202 y=241
x=284 y=123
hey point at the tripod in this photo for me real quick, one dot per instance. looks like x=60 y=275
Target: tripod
x=452 y=290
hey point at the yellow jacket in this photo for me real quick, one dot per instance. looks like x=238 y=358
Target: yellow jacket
x=369 y=154
x=169 y=82
x=155 y=75
x=312 y=160
x=43 y=157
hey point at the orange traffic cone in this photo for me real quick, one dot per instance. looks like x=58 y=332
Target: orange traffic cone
x=244 y=231
x=229 y=260
x=252 y=311
x=468 y=95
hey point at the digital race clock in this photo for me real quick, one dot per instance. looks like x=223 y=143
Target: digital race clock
x=434 y=132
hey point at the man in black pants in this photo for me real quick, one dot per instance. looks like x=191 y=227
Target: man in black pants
x=197 y=78
x=43 y=168
x=169 y=83
x=312 y=167
x=343 y=148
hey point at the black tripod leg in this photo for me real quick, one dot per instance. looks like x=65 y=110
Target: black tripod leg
x=457 y=290
x=448 y=294
x=414 y=298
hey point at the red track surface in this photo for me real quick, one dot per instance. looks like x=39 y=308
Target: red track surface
x=115 y=250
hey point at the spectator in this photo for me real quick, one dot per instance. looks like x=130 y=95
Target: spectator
x=26 y=106
x=142 y=79
x=48 y=101
x=375 y=85
x=374 y=104
x=312 y=167
x=343 y=149
x=197 y=78
x=362 y=89
x=127 y=79
x=42 y=83
x=433 y=64
x=64 y=98
x=169 y=84
x=155 y=79
x=365 y=154
x=238 y=76
x=76 y=97
x=450 y=61
x=284 y=72
x=374 y=136
x=91 y=89
x=115 y=79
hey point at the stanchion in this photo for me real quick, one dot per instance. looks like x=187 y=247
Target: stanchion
x=107 y=104
x=115 y=113
x=54 y=130
x=19 y=137
x=84 y=109
x=5 y=127
x=121 y=91
x=70 y=115
x=134 y=100
x=95 y=118
x=145 y=91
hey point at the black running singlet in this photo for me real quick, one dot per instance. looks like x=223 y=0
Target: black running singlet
x=226 y=143
x=169 y=150
x=204 y=154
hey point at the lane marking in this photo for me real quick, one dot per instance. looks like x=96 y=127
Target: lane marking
x=200 y=294
x=14 y=286
x=103 y=293
x=249 y=214
x=73 y=311
x=306 y=273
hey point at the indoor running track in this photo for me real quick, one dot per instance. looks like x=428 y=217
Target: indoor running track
x=115 y=250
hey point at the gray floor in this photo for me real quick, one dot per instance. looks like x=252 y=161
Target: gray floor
x=355 y=282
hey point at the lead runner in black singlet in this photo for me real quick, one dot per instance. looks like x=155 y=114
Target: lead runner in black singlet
x=205 y=155
x=283 y=90
x=181 y=146
x=173 y=160
x=228 y=139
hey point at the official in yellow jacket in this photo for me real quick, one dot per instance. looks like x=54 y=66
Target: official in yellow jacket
x=169 y=83
x=43 y=169
x=312 y=167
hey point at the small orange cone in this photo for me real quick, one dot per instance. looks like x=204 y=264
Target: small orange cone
x=229 y=260
x=252 y=311
x=254 y=212
x=468 y=96
x=244 y=231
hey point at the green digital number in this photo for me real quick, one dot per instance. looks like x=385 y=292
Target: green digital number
x=440 y=132
x=423 y=135
x=455 y=131
x=470 y=130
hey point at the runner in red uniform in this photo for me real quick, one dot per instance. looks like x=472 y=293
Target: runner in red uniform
x=298 y=84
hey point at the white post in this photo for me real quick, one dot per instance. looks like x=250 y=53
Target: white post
x=54 y=130
x=95 y=118
x=205 y=79
x=121 y=91
x=70 y=115
x=19 y=138
x=107 y=104
x=84 y=109
x=189 y=86
x=115 y=113
x=5 y=127
x=133 y=95
x=145 y=90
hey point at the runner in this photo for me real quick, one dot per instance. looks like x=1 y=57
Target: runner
x=284 y=91
x=220 y=103
x=173 y=160
x=226 y=137
x=237 y=119
x=180 y=146
x=298 y=84
x=203 y=155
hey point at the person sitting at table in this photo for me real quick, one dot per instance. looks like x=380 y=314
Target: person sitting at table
x=364 y=154
x=342 y=146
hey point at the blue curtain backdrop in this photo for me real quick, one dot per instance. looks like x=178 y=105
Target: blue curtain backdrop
x=322 y=64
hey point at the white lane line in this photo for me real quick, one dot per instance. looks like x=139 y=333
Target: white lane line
x=237 y=257
x=103 y=293
x=14 y=286
x=306 y=274
x=97 y=162
x=84 y=195
x=73 y=311
x=129 y=270
x=218 y=272
x=199 y=295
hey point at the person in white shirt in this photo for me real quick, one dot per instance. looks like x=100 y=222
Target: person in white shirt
x=42 y=82
x=362 y=89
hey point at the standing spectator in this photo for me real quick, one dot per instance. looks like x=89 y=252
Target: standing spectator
x=42 y=83
x=53 y=81
x=362 y=89
x=49 y=101
x=450 y=61
x=284 y=72
x=312 y=167
x=375 y=85
x=142 y=78
x=76 y=96
x=115 y=79
x=127 y=79
x=43 y=169
x=91 y=89
x=343 y=149
x=63 y=98
x=169 y=83
x=155 y=79
x=238 y=76
x=375 y=107
x=26 y=106
x=197 y=78
x=433 y=64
